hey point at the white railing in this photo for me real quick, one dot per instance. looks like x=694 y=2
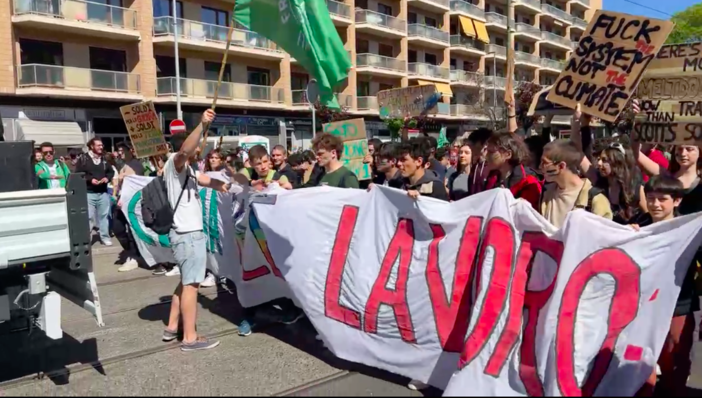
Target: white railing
x=552 y=63
x=68 y=77
x=378 y=19
x=580 y=23
x=195 y=30
x=424 y=69
x=367 y=103
x=500 y=51
x=495 y=81
x=428 y=32
x=554 y=38
x=379 y=61
x=77 y=10
x=200 y=88
x=467 y=8
x=522 y=27
x=583 y=2
x=462 y=76
x=495 y=18
x=531 y=3
x=556 y=13
x=299 y=98
x=467 y=42
x=340 y=9
x=521 y=56
x=441 y=3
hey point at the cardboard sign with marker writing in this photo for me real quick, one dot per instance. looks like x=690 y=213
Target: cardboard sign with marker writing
x=408 y=101
x=609 y=62
x=144 y=129
x=670 y=96
x=353 y=133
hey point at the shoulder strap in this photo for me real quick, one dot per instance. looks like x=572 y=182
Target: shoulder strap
x=182 y=189
x=591 y=193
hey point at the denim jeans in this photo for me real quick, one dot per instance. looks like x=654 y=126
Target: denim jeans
x=99 y=210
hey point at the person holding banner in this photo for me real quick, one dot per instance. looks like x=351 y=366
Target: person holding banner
x=186 y=237
x=261 y=174
x=506 y=154
x=329 y=149
x=386 y=159
x=459 y=180
x=418 y=180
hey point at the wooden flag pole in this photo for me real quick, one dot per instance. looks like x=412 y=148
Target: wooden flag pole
x=222 y=67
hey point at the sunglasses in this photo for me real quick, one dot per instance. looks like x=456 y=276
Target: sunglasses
x=47 y=152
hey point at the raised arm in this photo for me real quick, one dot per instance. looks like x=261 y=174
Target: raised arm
x=193 y=141
x=647 y=165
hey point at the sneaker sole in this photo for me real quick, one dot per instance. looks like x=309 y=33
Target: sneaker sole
x=168 y=340
x=297 y=318
x=244 y=334
x=209 y=347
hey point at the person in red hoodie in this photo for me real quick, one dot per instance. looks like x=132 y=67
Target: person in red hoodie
x=506 y=156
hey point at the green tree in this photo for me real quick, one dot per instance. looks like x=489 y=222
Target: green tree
x=688 y=25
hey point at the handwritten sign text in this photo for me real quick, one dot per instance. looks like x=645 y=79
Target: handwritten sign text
x=144 y=129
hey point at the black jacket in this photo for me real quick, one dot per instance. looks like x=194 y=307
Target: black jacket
x=94 y=171
x=429 y=185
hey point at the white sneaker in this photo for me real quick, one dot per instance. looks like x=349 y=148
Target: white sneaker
x=416 y=385
x=129 y=265
x=174 y=272
x=209 y=281
x=107 y=242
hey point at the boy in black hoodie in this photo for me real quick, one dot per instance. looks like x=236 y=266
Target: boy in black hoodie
x=413 y=157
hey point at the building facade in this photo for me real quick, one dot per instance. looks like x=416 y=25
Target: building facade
x=81 y=59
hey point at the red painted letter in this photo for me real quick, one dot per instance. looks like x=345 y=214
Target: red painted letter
x=253 y=274
x=453 y=315
x=499 y=236
x=400 y=245
x=332 y=307
x=623 y=309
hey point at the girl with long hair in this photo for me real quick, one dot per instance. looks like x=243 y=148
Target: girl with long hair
x=459 y=180
x=214 y=161
x=622 y=184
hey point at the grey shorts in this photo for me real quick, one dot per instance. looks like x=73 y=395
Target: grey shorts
x=190 y=252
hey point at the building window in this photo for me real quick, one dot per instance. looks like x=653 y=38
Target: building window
x=385 y=50
x=384 y=9
x=500 y=10
x=298 y=81
x=526 y=20
x=362 y=46
x=384 y=86
x=430 y=58
x=105 y=59
x=258 y=76
x=412 y=17
x=41 y=52
x=363 y=89
x=453 y=63
x=362 y=4
x=165 y=66
x=412 y=56
x=500 y=41
x=164 y=8
x=212 y=71
x=214 y=16
x=430 y=22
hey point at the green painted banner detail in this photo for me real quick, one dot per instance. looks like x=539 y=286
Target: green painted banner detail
x=209 y=200
x=137 y=228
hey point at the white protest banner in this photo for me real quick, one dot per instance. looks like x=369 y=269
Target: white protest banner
x=485 y=285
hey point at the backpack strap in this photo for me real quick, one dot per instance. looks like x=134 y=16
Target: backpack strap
x=591 y=193
x=182 y=189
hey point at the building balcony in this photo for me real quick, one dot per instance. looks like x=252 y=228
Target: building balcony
x=552 y=65
x=574 y=45
x=579 y=24
x=556 y=13
x=464 y=110
x=367 y=104
x=200 y=36
x=531 y=6
x=493 y=50
x=555 y=40
x=427 y=36
x=67 y=81
x=299 y=98
x=579 y=3
x=467 y=9
x=374 y=64
x=495 y=82
x=467 y=45
x=201 y=92
x=437 y=6
x=526 y=31
x=378 y=24
x=522 y=58
x=340 y=13
x=77 y=17
x=465 y=78
x=427 y=71
x=496 y=20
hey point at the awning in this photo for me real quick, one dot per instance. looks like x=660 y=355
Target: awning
x=443 y=88
x=67 y=134
x=481 y=31
x=467 y=26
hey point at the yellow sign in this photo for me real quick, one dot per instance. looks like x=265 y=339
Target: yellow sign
x=353 y=134
x=609 y=62
x=670 y=96
x=144 y=129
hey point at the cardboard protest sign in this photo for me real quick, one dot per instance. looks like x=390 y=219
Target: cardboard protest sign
x=670 y=96
x=408 y=101
x=353 y=133
x=144 y=129
x=541 y=106
x=609 y=62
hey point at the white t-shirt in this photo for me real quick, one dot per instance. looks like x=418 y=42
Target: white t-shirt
x=53 y=172
x=188 y=215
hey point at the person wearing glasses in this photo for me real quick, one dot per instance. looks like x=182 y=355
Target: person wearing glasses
x=50 y=172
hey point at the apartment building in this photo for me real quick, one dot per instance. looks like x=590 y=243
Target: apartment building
x=70 y=64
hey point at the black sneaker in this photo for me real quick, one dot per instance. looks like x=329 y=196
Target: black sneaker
x=200 y=344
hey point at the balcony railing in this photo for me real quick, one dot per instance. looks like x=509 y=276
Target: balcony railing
x=71 y=78
x=379 y=61
x=340 y=9
x=531 y=3
x=574 y=44
x=580 y=23
x=468 y=8
x=471 y=78
x=532 y=59
x=427 y=32
x=554 y=38
x=299 y=97
x=198 y=88
x=466 y=110
x=522 y=27
x=552 y=63
x=495 y=81
x=440 y=3
x=367 y=103
x=195 y=30
x=556 y=12
x=495 y=18
x=77 y=10
x=467 y=42
x=584 y=2
x=496 y=50
x=382 y=20
x=424 y=69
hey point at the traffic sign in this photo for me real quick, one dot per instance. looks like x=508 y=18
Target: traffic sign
x=312 y=91
x=177 y=126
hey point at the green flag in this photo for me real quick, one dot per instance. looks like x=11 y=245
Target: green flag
x=304 y=29
x=442 y=138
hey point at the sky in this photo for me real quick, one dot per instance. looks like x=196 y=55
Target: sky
x=647 y=7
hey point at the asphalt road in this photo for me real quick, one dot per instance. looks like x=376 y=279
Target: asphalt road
x=127 y=357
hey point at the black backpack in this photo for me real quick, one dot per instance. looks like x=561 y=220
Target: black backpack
x=156 y=210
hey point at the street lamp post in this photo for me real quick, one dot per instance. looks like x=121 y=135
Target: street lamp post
x=179 y=111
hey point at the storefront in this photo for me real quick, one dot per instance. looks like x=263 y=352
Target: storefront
x=299 y=134
x=64 y=127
